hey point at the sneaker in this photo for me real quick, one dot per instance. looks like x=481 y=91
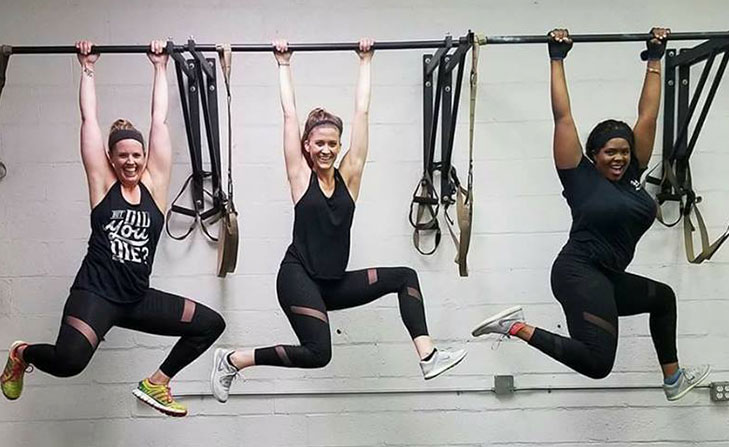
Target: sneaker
x=440 y=362
x=500 y=323
x=15 y=369
x=689 y=378
x=222 y=375
x=160 y=398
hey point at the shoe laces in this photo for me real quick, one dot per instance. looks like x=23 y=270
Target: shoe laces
x=690 y=374
x=227 y=378
x=497 y=343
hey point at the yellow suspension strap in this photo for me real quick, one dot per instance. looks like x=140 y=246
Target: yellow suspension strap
x=228 y=237
x=464 y=197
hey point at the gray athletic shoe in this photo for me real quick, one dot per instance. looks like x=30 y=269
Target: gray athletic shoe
x=500 y=323
x=222 y=375
x=441 y=362
x=689 y=378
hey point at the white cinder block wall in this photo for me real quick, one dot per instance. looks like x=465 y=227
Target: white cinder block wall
x=520 y=223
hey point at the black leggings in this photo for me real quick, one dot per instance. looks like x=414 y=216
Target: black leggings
x=306 y=302
x=88 y=317
x=592 y=299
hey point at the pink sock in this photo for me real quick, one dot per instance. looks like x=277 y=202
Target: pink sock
x=516 y=327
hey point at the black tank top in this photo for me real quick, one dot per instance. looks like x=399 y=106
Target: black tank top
x=121 y=247
x=321 y=229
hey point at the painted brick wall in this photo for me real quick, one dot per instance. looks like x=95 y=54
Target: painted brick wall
x=372 y=393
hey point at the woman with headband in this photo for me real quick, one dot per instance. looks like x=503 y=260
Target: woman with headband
x=313 y=279
x=128 y=186
x=610 y=213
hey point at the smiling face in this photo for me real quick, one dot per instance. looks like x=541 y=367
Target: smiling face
x=613 y=158
x=128 y=159
x=323 y=146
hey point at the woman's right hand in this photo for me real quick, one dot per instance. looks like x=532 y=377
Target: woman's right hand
x=559 y=44
x=85 y=58
x=281 y=52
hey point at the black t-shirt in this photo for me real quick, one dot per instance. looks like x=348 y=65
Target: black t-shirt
x=608 y=218
x=322 y=230
x=121 y=247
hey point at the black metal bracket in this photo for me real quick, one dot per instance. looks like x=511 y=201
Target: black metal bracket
x=440 y=103
x=679 y=109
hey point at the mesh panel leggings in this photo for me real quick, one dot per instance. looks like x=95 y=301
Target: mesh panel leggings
x=592 y=300
x=88 y=317
x=306 y=302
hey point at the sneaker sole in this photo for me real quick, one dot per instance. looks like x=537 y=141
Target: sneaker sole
x=437 y=372
x=478 y=330
x=216 y=359
x=156 y=405
x=698 y=382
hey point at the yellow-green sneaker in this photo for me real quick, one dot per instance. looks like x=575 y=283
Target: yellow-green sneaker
x=15 y=369
x=160 y=398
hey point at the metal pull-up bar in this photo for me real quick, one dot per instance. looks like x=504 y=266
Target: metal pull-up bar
x=386 y=45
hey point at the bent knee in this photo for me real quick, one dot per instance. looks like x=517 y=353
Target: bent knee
x=600 y=368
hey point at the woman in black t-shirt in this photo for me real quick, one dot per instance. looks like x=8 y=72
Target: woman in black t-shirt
x=313 y=279
x=610 y=212
x=127 y=192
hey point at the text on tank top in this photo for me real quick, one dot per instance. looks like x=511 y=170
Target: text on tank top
x=121 y=247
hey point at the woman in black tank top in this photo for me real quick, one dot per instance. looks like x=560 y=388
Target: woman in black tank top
x=610 y=213
x=313 y=279
x=127 y=191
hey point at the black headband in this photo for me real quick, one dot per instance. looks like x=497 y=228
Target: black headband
x=614 y=132
x=324 y=123
x=125 y=134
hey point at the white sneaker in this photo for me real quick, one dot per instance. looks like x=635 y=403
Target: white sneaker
x=500 y=323
x=440 y=362
x=222 y=375
x=689 y=378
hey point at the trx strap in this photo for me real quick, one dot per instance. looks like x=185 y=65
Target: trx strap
x=443 y=105
x=5 y=52
x=464 y=201
x=676 y=180
x=228 y=235
x=196 y=80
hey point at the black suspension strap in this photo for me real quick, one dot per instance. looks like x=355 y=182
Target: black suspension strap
x=5 y=52
x=425 y=201
x=443 y=106
x=196 y=80
x=676 y=181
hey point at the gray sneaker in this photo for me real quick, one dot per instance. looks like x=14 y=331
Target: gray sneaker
x=441 y=362
x=500 y=323
x=222 y=375
x=689 y=378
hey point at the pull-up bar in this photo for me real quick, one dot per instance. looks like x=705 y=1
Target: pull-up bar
x=386 y=45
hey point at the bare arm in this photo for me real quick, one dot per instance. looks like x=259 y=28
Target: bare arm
x=297 y=170
x=566 y=144
x=354 y=160
x=99 y=174
x=649 y=103
x=159 y=161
